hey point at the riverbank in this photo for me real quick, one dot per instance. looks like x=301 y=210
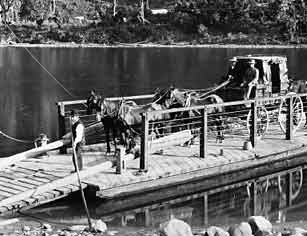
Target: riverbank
x=26 y=226
x=138 y=35
x=147 y=45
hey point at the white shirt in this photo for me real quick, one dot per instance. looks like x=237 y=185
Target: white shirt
x=79 y=133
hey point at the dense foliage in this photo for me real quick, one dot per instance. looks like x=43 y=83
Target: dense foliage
x=201 y=20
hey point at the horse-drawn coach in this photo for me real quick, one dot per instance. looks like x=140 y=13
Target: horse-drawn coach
x=268 y=89
x=272 y=82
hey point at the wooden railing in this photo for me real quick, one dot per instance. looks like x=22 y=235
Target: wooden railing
x=250 y=109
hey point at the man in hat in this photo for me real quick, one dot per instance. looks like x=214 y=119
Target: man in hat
x=231 y=71
x=90 y=102
x=77 y=129
x=250 y=79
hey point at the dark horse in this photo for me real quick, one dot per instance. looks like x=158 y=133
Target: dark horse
x=177 y=99
x=124 y=118
x=108 y=113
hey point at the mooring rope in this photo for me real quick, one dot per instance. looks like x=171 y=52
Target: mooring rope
x=38 y=62
x=46 y=70
x=15 y=139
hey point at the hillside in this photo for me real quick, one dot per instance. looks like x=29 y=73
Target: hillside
x=191 y=21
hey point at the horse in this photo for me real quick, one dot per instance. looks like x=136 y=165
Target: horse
x=179 y=98
x=108 y=113
x=124 y=117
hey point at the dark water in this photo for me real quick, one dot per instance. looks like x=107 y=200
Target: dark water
x=28 y=93
x=224 y=207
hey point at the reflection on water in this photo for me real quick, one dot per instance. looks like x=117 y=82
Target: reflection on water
x=28 y=94
x=279 y=197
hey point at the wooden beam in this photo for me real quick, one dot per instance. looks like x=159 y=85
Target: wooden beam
x=70 y=179
x=138 y=97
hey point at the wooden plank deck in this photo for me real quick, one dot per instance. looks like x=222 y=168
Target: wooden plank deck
x=179 y=170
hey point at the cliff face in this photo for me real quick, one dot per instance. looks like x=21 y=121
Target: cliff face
x=194 y=21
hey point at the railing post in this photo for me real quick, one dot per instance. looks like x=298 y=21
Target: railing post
x=289 y=123
x=253 y=126
x=203 y=144
x=61 y=124
x=144 y=143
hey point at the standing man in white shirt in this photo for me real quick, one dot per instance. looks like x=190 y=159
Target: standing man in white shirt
x=78 y=139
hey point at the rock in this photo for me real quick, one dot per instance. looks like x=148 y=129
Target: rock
x=112 y=233
x=26 y=228
x=175 y=227
x=243 y=229
x=215 y=231
x=300 y=231
x=77 y=228
x=47 y=227
x=262 y=233
x=295 y=231
x=99 y=226
x=259 y=223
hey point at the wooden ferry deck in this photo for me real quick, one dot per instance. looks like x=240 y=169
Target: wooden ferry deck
x=176 y=172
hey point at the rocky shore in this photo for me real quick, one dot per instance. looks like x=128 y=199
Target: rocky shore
x=254 y=226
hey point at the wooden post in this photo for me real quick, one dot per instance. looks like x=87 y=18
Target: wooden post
x=147 y=5
x=205 y=210
x=203 y=144
x=61 y=124
x=253 y=125
x=144 y=143
x=289 y=123
x=142 y=13
x=289 y=189
x=147 y=217
x=253 y=196
x=120 y=162
x=114 y=7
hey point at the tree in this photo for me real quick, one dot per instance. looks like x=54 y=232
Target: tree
x=5 y=7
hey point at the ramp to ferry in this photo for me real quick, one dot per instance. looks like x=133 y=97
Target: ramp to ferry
x=37 y=180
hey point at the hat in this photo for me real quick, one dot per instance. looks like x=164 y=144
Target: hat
x=234 y=59
x=251 y=61
x=74 y=113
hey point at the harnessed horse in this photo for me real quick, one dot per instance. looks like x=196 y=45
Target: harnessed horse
x=124 y=117
x=179 y=98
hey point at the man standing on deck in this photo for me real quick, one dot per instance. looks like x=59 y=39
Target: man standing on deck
x=77 y=129
x=90 y=102
x=231 y=70
x=250 y=79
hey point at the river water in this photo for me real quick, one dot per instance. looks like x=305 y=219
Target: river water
x=29 y=94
